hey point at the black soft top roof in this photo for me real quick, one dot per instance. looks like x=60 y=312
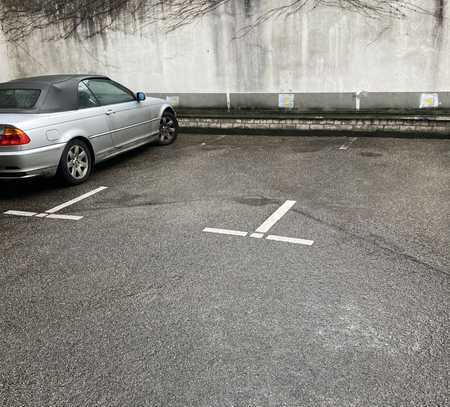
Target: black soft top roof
x=59 y=93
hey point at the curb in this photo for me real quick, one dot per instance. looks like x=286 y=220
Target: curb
x=375 y=126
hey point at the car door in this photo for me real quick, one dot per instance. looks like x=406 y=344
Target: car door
x=92 y=117
x=130 y=121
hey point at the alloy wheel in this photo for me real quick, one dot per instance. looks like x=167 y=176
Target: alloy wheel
x=77 y=161
x=167 y=129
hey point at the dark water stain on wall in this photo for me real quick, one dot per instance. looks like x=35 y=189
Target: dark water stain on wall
x=439 y=14
x=440 y=6
x=438 y=38
x=251 y=53
x=248 y=8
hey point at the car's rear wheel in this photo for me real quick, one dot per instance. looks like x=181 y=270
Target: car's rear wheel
x=168 y=129
x=76 y=162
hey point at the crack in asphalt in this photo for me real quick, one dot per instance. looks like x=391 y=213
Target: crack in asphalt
x=375 y=239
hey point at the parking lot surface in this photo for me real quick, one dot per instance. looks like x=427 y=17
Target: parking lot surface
x=128 y=301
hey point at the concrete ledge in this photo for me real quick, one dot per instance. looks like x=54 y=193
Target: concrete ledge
x=435 y=115
x=398 y=126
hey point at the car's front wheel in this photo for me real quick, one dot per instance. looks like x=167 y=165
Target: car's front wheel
x=76 y=162
x=168 y=129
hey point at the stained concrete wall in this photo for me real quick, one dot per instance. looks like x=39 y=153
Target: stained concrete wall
x=325 y=50
x=393 y=102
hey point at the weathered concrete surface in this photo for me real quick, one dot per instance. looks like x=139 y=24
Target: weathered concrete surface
x=324 y=50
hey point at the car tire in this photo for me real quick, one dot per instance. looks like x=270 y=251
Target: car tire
x=76 y=163
x=168 y=129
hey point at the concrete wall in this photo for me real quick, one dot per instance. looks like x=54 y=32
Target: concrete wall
x=324 y=50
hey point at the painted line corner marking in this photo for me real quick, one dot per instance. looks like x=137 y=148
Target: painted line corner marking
x=51 y=213
x=266 y=226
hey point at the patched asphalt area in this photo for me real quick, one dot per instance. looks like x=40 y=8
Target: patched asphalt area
x=135 y=305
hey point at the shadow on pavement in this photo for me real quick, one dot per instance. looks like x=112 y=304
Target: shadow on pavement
x=13 y=189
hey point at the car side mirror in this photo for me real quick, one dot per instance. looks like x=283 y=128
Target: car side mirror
x=140 y=96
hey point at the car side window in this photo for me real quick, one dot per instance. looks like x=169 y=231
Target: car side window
x=108 y=92
x=86 y=97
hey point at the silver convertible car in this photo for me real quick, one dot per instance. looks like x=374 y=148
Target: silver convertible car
x=64 y=124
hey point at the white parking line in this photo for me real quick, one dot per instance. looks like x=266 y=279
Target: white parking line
x=257 y=235
x=20 y=213
x=66 y=217
x=347 y=145
x=275 y=217
x=75 y=200
x=225 y=232
x=290 y=240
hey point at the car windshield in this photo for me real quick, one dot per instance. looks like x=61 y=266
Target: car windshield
x=18 y=98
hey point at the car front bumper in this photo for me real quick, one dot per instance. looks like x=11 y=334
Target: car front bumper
x=30 y=163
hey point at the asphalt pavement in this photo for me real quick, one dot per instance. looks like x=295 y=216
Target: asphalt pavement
x=132 y=303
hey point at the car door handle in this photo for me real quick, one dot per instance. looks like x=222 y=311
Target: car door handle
x=109 y=112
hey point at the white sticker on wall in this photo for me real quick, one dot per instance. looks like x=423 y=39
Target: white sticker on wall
x=173 y=100
x=428 y=100
x=286 y=100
